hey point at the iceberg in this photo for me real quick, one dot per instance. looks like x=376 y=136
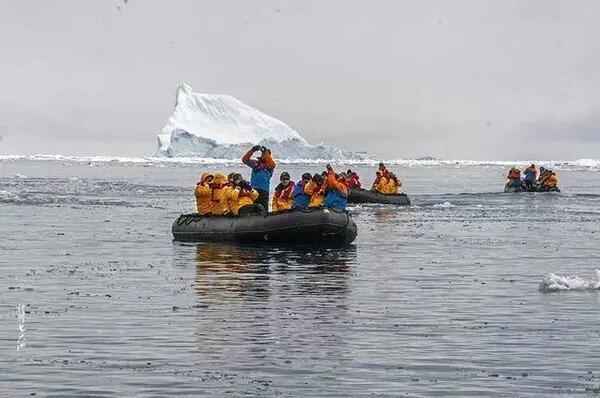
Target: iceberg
x=223 y=127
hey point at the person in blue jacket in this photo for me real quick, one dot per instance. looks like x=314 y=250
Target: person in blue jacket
x=530 y=177
x=262 y=171
x=301 y=198
x=337 y=192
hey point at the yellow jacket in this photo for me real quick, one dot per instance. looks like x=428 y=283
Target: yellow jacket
x=551 y=181
x=239 y=199
x=381 y=185
x=282 y=198
x=317 y=196
x=203 y=193
x=218 y=198
x=391 y=186
x=228 y=192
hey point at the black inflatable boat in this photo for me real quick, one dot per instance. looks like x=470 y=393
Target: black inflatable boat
x=364 y=196
x=523 y=188
x=294 y=226
x=513 y=189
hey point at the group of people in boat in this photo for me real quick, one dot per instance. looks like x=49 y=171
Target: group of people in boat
x=385 y=181
x=531 y=180
x=217 y=194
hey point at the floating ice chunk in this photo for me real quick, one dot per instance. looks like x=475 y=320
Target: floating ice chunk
x=20 y=326
x=554 y=283
x=445 y=205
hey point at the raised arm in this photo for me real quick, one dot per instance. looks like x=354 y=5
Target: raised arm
x=247 y=158
x=332 y=182
x=202 y=191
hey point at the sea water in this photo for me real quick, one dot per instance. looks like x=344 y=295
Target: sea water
x=468 y=292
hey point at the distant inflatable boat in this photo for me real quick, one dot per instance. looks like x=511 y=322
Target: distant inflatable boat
x=296 y=226
x=364 y=196
x=515 y=189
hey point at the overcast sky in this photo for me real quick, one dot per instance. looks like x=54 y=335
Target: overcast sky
x=453 y=79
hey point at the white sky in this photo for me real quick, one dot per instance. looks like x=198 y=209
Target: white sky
x=453 y=79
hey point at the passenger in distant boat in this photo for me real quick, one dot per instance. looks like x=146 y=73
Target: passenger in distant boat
x=262 y=171
x=352 y=181
x=218 y=187
x=316 y=190
x=203 y=194
x=514 y=179
x=530 y=177
x=550 y=182
x=393 y=184
x=283 y=198
x=543 y=175
x=301 y=198
x=381 y=182
x=384 y=171
x=336 y=196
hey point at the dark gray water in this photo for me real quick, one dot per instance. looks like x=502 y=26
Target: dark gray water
x=439 y=299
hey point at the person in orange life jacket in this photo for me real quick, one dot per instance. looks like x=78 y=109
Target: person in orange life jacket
x=550 y=181
x=242 y=197
x=262 y=171
x=337 y=192
x=219 y=200
x=543 y=175
x=381 y=182
x=393 y=184
x=203 y=194
x=352 y=181
x=514 y=178
x=316 y=190
x=282 y=197
x=301 y=198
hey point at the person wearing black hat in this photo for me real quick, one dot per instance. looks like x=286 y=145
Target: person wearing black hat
x=282 y=198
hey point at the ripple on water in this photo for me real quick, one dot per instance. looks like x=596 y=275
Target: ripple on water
x=96 y=299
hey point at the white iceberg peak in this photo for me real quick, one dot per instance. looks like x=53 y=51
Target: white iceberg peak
x=221 y=126
x=224 y=119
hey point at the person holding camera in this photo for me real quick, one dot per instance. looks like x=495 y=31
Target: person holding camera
x=262 y=171
x=242 y=197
